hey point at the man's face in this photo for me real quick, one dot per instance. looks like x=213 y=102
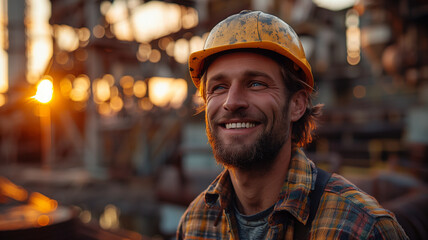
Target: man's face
x=247 y=111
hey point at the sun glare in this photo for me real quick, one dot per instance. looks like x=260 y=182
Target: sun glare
x=44 y=91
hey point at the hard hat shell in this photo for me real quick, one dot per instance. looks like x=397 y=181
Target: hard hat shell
x=251 y=29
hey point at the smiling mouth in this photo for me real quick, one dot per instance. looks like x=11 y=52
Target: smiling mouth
x=239 y=125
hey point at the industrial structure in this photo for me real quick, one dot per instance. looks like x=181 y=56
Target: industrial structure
x=121 y=130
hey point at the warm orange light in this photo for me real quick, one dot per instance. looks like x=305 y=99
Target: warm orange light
x=101 y=90
x=190 y=18
x=65 y=85
x=104 y=109
x=42 y=203
x=44 y=91
x=159 y=91
x=163 y=42
x=123 y=30
x=359 y=91
x=170 y=48
x=66 y=37
x=165 y=92
x=4 y=82
x=116 y=103
x=2 y=99
x=156 y=19
x=84 y=34
x=127 y=83
x=110 y=217
x=39 y=43
x=98 y=31
x=196 y=43
x=144 y=51
x=9 y=189
x=145 y=104
x=85 y=216
x=181 y=50
x=80 y=91
x=179 y=89
x=140 y=88
x=43 y=220
x=353 y=37
x=4 y=58
x=155 y=56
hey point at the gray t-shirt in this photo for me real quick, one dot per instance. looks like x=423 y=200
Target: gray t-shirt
x=253 y=226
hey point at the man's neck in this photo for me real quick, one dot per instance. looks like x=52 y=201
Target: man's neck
x=257 y=191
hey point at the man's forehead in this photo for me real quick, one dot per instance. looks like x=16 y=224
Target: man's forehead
x=246 y=63
x=263 y=52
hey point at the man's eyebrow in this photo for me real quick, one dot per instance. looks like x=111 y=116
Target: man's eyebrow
x=249 y=73
x=217 y=77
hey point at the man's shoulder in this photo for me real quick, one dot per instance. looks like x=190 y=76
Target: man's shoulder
x=348 y=211
x=344 y=193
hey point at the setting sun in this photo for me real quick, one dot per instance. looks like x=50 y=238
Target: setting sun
x=44 y=91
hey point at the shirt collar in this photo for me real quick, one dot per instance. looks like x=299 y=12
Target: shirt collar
x=300 y=181
x=293 y=197
x=221 y=189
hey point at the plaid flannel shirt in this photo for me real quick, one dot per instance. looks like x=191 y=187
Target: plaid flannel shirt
x=345 y=212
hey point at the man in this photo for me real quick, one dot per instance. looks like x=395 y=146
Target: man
x=257 y=86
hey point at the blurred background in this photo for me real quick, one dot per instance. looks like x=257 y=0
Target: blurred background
x=98 y=133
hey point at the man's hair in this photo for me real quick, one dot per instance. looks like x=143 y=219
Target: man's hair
x=293 y=76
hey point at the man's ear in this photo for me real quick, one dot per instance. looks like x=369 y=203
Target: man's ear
x=298 y=104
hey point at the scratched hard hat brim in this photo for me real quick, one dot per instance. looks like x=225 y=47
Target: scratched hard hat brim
x=251 y=29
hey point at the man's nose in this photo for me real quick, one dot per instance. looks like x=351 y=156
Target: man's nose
x=236 y=99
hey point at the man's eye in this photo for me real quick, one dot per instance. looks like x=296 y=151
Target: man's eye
x=216 y=88
x=257 y=84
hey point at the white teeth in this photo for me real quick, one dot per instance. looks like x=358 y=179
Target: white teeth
x=239 y=125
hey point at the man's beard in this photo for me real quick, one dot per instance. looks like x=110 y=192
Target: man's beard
x=259 y=155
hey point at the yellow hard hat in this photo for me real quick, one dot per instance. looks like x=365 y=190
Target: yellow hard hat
x=251 y=29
